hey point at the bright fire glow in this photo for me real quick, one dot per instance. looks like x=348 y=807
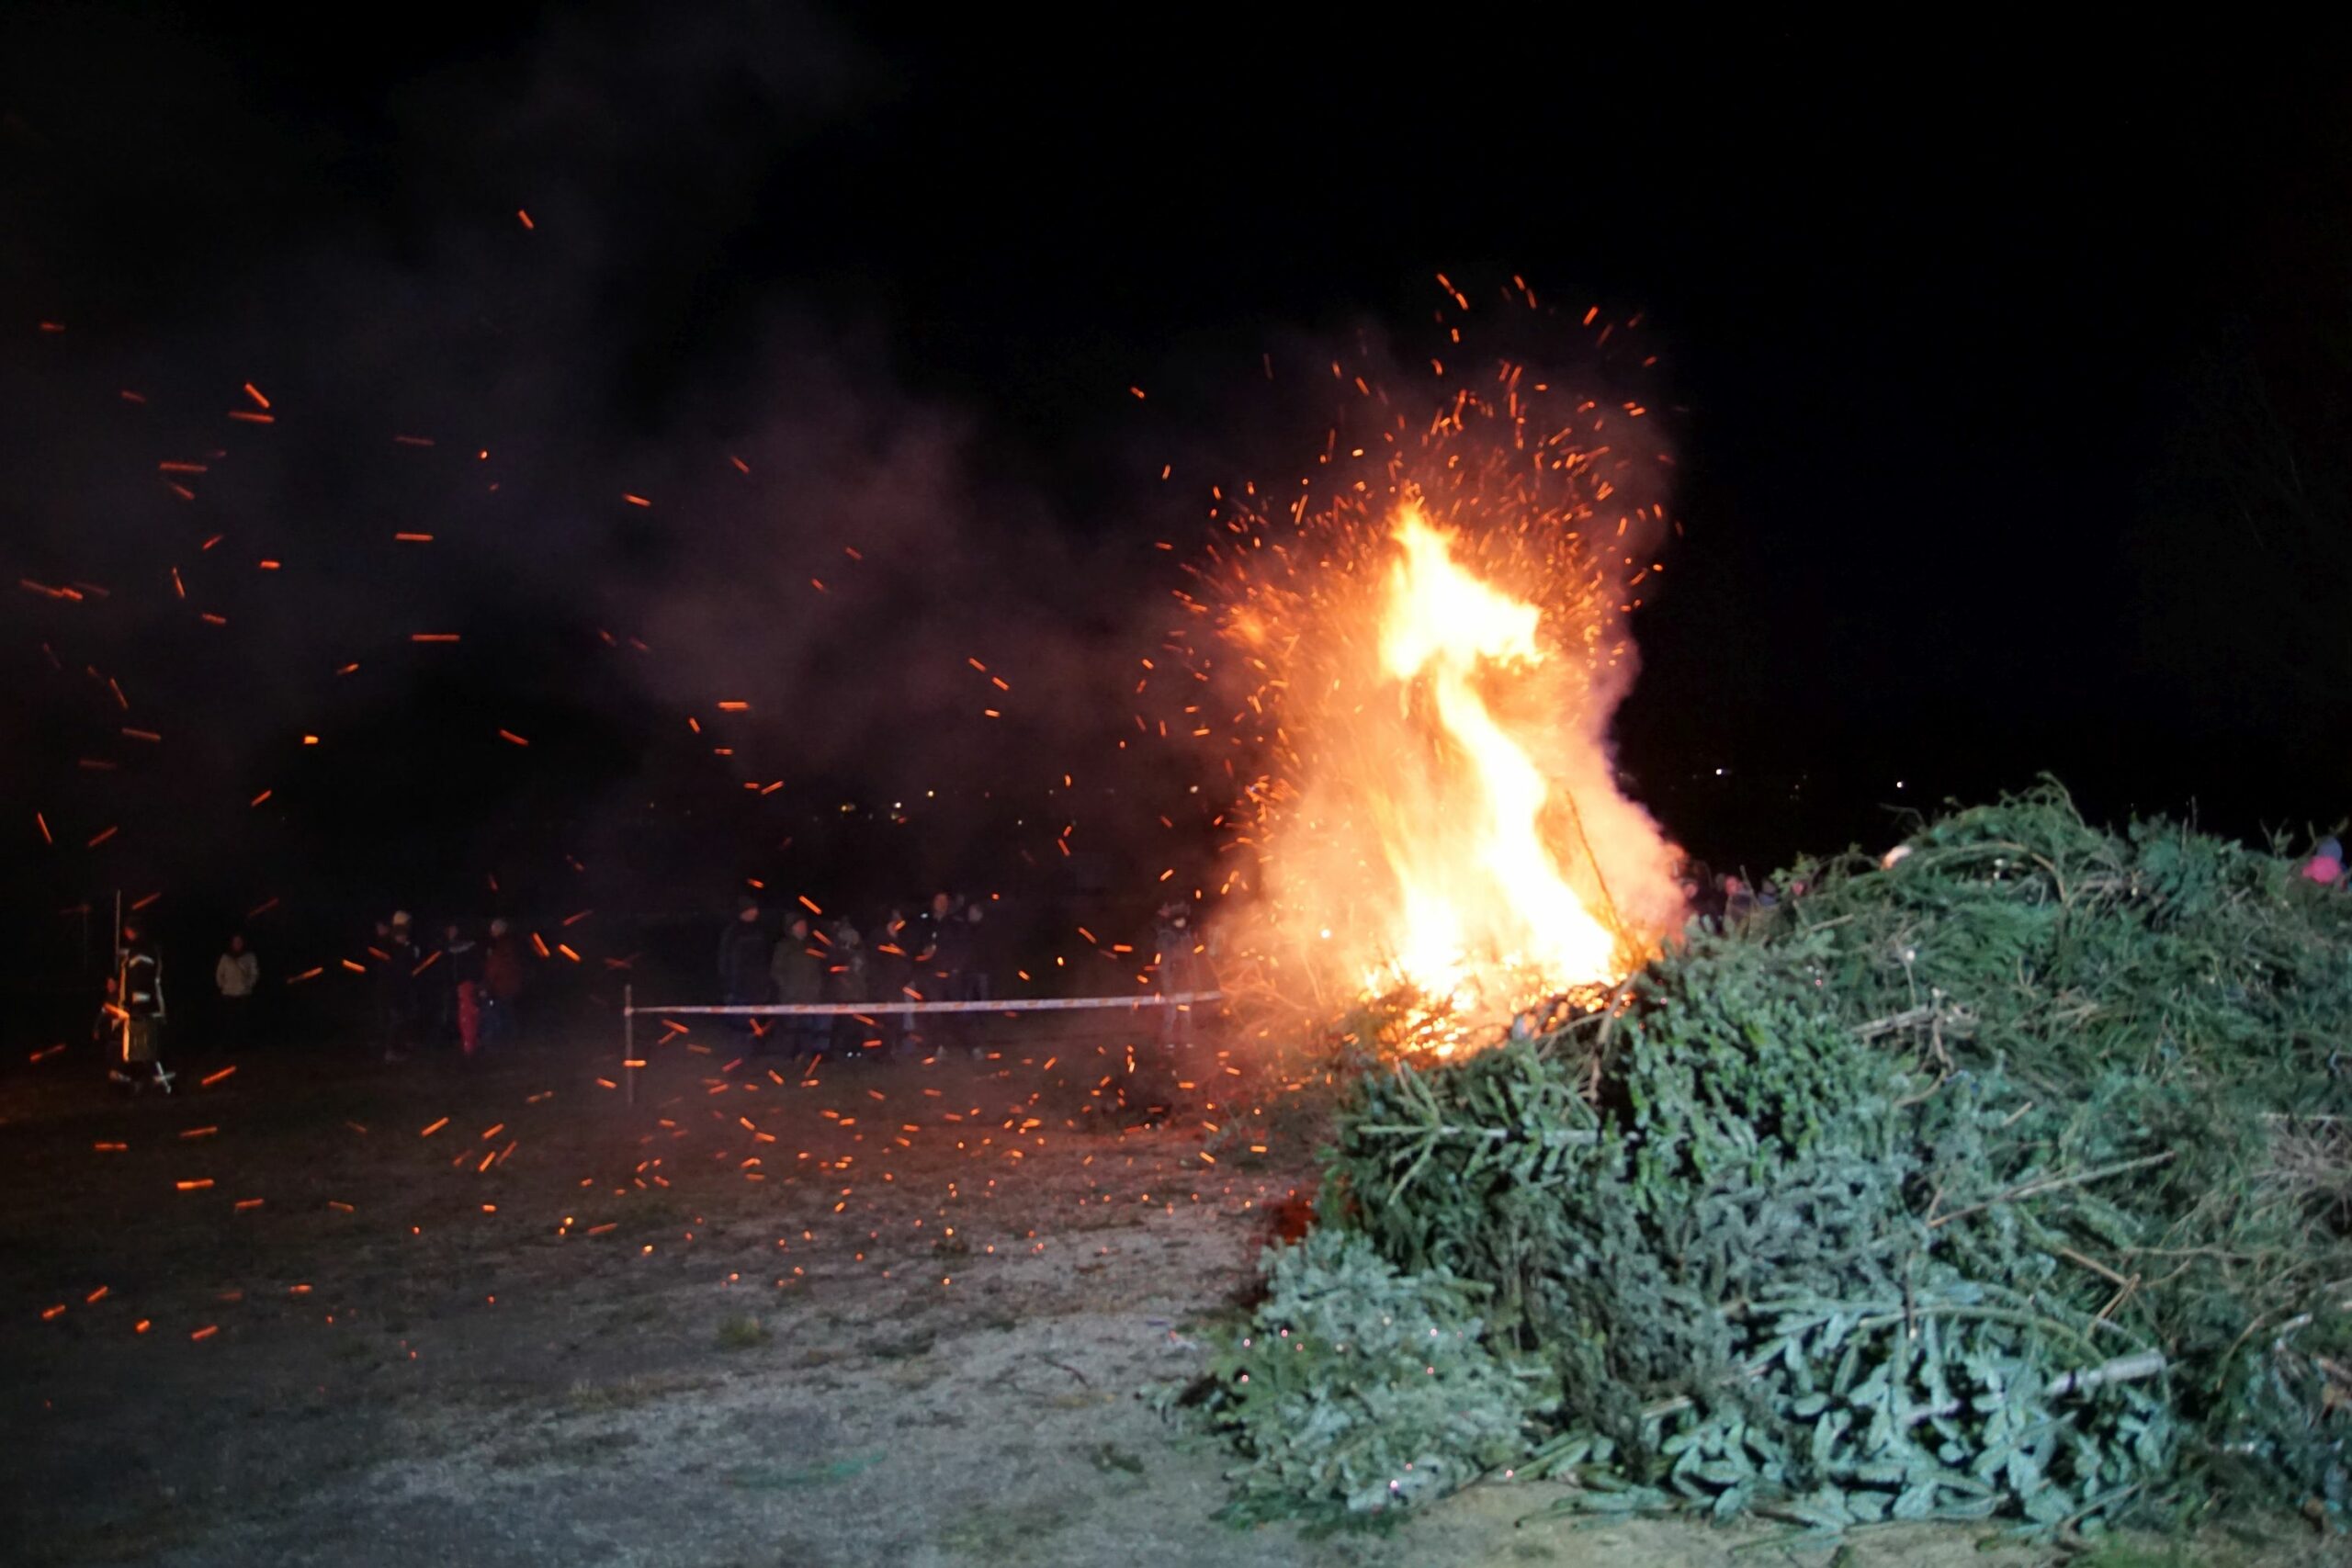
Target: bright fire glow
x=1479 y=888
x=1421 y=654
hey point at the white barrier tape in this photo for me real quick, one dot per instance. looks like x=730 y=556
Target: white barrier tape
x=885 y=1009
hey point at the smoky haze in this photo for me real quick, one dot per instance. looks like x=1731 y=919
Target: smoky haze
x=503 y=311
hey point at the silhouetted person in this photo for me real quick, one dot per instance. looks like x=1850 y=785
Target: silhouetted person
x=894 y=970
x=743 y=958
x=797 y=969
x=851 y=980
x=140 y=965
x=1708 y=905
x=926 y=984
x=954 y=974
x=1181 y=968
x=923 y=934
x=976 y=984
x=397 y=988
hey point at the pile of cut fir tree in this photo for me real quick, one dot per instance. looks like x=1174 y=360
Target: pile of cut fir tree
x=2012 y=1179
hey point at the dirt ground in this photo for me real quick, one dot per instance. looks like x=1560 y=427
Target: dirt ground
x=324 y=1311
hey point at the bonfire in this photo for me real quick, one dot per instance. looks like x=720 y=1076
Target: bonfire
x=1424 y=669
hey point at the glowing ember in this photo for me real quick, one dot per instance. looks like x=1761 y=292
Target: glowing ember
x=1430 y=662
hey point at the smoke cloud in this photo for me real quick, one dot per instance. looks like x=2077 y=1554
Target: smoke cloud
x=498 y=410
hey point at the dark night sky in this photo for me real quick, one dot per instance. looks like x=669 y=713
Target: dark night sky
x=1984 y=363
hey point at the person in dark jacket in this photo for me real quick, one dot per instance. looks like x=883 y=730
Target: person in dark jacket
x=798 y=970
x=397 y=988
x=893 y=968
x=925 y=981
x=953 y=975
x=851 y=980
x=930 y=919
x=1708 y=904
x=743 y=965
x=140 y=965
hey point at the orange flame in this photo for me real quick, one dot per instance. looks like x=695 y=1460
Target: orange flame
x=1480 y=886
x=1423 y=668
